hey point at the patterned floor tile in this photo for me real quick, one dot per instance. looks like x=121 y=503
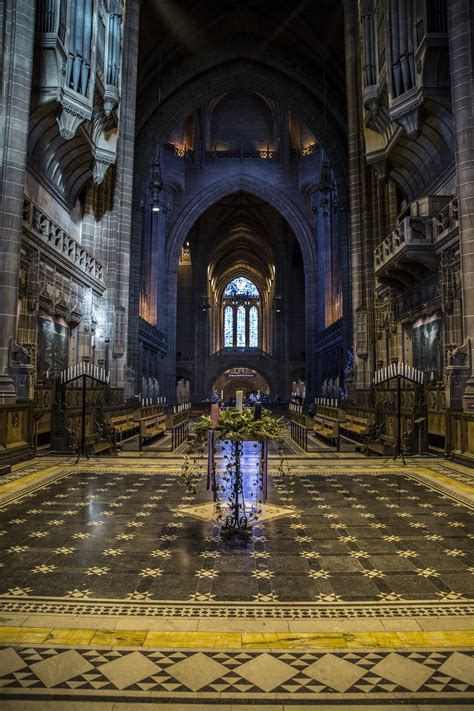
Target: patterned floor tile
x=405 y=672
x=196 y=671
x=334 y=672
x=460 y=666
x=127 y=670
x=60 y=667
x=266 y=672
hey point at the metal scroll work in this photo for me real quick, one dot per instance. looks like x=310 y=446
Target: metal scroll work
x=238 y=493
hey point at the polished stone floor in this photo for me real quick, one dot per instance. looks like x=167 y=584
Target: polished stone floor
x=356 y=586
x=347 y=538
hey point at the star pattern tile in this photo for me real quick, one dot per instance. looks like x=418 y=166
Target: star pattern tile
x=364 y=551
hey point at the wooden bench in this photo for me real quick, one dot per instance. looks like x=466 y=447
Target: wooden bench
x=96 y=445
x=300 y=419
x=125 y=425
x=326 y=427
x=355 y=426
x=152 y=426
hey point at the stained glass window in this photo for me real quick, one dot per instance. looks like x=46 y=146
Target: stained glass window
x=241 y=327
x=241 y=286
x=228 y=327
x=253 y=327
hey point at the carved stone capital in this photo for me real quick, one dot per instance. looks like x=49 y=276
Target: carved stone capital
x=371 y=98
x=406 y=112
x=102 y=162
x=74 y=112
x=111 y=98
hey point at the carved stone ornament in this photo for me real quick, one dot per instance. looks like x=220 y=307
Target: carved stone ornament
x=458 y=356
x=111 y=98
x=71 y=117
x=102 y=162
x=18 y=355
x=406 y=112
x=371 y=98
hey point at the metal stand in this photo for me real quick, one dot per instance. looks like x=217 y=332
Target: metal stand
x=84 y=371
x=399 y=452
x=211 y=465
x=387 y=374
x=82 y=450
x=237 y=521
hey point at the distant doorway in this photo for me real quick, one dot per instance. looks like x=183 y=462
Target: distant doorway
x=246 y=379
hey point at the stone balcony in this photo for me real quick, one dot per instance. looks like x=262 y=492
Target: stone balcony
x=406 y=254
x=66 y=250
x=412 y=248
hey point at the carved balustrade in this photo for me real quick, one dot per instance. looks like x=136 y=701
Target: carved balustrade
x=56 y=238
x=446 y=221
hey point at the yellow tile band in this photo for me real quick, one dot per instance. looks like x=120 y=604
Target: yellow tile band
x=236 y=640
x=23 y=481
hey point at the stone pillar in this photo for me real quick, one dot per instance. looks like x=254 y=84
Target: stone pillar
x=360 y=226
x=169 y=362
x=17 y=31
x=342 y=225
x=320 y=253
x=461 y=29
x=159 y=251
x=118 y=253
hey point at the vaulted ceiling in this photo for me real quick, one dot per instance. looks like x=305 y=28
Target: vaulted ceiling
x=242 y=235
x=191 y=52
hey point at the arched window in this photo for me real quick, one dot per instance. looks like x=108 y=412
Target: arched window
x=241 y=302
x=253 y=327
x=241 y=327
x=228 y=327
x=241 y=286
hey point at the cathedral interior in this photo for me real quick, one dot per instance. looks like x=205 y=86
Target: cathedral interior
x=218 y=210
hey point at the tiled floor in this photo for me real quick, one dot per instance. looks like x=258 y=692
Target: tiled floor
x=357 y=586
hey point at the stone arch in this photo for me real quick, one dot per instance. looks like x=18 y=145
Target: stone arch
x=241 y=183
x=251 y=76
x=418 y=164
x=216 y=369
x=196 y=207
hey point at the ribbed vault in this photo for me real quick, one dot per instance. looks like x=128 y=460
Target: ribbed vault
x=416 y=164
x=193 y=53
x=66 y=165
x=221 y=189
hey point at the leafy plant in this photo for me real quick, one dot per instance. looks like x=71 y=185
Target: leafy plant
x=233 y=425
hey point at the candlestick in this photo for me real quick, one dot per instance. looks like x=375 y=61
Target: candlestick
x=214 y=415
x=239 y=397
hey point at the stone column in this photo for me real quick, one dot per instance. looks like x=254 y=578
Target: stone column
x=169 y=362
x=17 y=20
x=159 y=251
x=361 y=236
x=118 y=253
x=461 y=29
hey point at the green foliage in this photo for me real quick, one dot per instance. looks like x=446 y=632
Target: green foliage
x=232 y=424
x=242 y=425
